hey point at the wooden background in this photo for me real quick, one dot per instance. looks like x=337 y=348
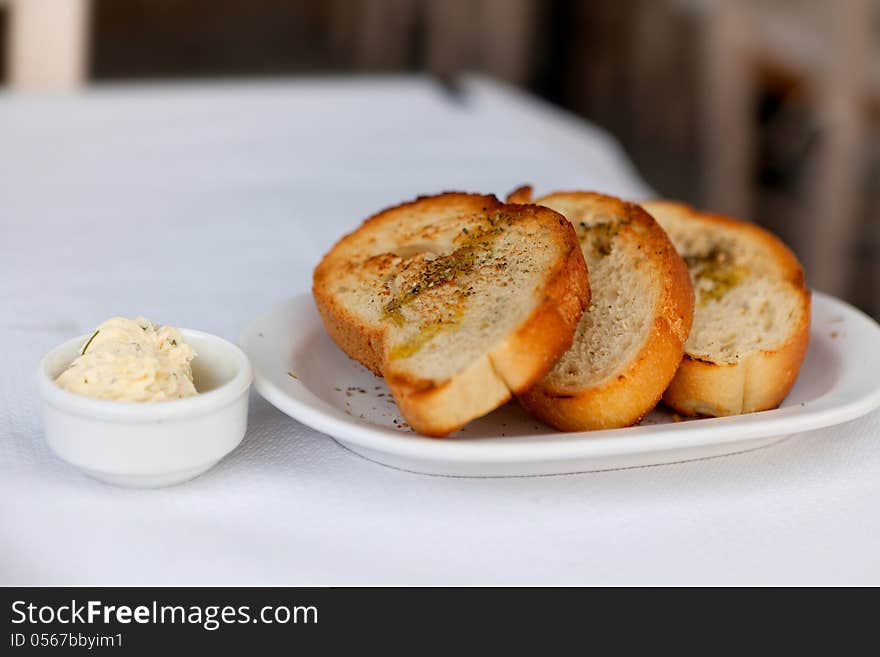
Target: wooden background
x=766 y=109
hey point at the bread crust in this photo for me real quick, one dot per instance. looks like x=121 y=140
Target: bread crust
x=522 y=194
x=439 y=408
x=762 y=379
x=623 y=399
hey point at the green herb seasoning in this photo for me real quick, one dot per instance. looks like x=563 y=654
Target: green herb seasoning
x=88 y=342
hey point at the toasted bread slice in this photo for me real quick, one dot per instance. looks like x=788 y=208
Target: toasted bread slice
x=458 y=300
x=752 y=315
x=630 y=340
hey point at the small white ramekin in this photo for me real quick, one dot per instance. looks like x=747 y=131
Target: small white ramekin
x=149 y=445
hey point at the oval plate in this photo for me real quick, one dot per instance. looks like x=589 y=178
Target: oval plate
x=299 y=370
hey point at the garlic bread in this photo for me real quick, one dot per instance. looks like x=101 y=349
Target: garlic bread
x=751 y=319
x=458 y=300
x=629 y=342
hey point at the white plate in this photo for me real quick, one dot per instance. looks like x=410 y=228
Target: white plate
x=840 y=380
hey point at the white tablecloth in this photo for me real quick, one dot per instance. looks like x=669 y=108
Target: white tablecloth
x=202 y=205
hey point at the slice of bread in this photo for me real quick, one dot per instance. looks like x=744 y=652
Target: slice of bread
x=630 y=340
x=752 y=315
x=458 y=300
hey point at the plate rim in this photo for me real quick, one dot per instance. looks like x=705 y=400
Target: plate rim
x=309 y=409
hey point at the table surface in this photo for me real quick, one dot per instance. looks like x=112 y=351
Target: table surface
x=203 y=204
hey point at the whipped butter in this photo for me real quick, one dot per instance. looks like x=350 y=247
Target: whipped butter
x=132 y=360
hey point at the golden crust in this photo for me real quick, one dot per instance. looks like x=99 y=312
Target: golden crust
x=522 y=194
x=625 y=398
x=762 y=379
x=439 y=408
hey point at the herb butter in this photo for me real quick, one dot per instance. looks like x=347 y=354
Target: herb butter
x=132 y=360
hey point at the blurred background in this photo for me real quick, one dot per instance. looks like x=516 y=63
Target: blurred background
x=764 y=109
